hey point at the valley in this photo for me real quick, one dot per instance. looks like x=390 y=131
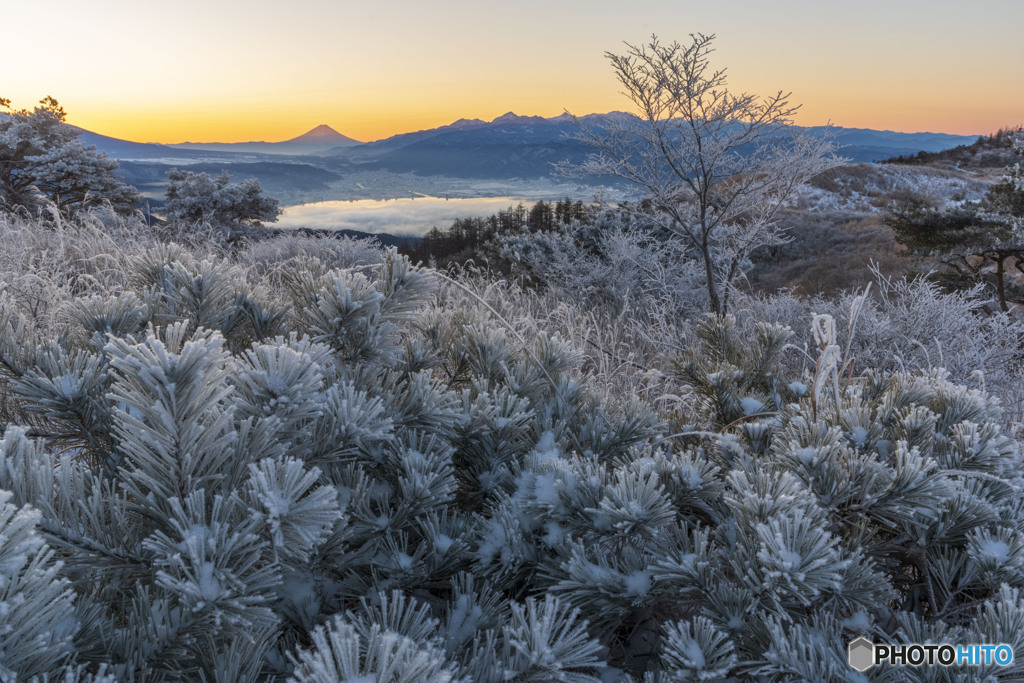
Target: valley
x=511 y=156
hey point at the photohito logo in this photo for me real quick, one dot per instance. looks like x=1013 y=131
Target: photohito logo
x=864 y=654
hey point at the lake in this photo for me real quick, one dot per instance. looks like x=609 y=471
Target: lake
x=408 y=216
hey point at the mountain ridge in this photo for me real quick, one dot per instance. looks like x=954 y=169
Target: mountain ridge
x=514 y=146
x=508 y=146
x=321 y=133
x=314 y=141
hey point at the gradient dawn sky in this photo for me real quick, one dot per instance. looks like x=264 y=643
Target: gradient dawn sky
x=239 y=70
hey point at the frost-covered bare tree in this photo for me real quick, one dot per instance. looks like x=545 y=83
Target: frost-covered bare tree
x=714 y=166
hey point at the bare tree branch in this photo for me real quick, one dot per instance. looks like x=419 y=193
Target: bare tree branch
x=714 y=167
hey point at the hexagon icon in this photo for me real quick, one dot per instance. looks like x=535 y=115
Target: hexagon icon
x=862 y=654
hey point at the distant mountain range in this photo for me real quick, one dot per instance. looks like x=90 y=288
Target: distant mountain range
x=508 y=147
x=316 y=141
x=525 y=146
x=123 y=149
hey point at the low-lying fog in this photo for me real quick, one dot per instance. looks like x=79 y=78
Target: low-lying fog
x=394 y=216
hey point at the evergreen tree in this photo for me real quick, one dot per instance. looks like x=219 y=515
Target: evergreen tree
x=42 y=159
x=197 y=198
x=974 y=239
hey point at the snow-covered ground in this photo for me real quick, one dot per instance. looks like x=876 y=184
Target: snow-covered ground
x=870 y=188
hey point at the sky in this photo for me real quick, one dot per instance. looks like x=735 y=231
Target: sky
x=241 y=70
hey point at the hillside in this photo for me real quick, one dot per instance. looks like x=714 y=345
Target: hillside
x=244 y=451
x=837 y=225
x=125 y=150
x=986 y=153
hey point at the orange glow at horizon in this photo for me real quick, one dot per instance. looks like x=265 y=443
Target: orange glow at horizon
x=168 y=127
x=262 y=71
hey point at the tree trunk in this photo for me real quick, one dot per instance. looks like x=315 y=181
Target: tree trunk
x=1000 y=286
x=709 y=274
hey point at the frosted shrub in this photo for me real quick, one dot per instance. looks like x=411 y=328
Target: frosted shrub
x=218 y=486
x=895 y=499
x=36 y=603
x=46 y=263
x=611 y=261
x=266 y=258
x=46 y=167
x=374 y=472
x=910 y=324
x=925 y=327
